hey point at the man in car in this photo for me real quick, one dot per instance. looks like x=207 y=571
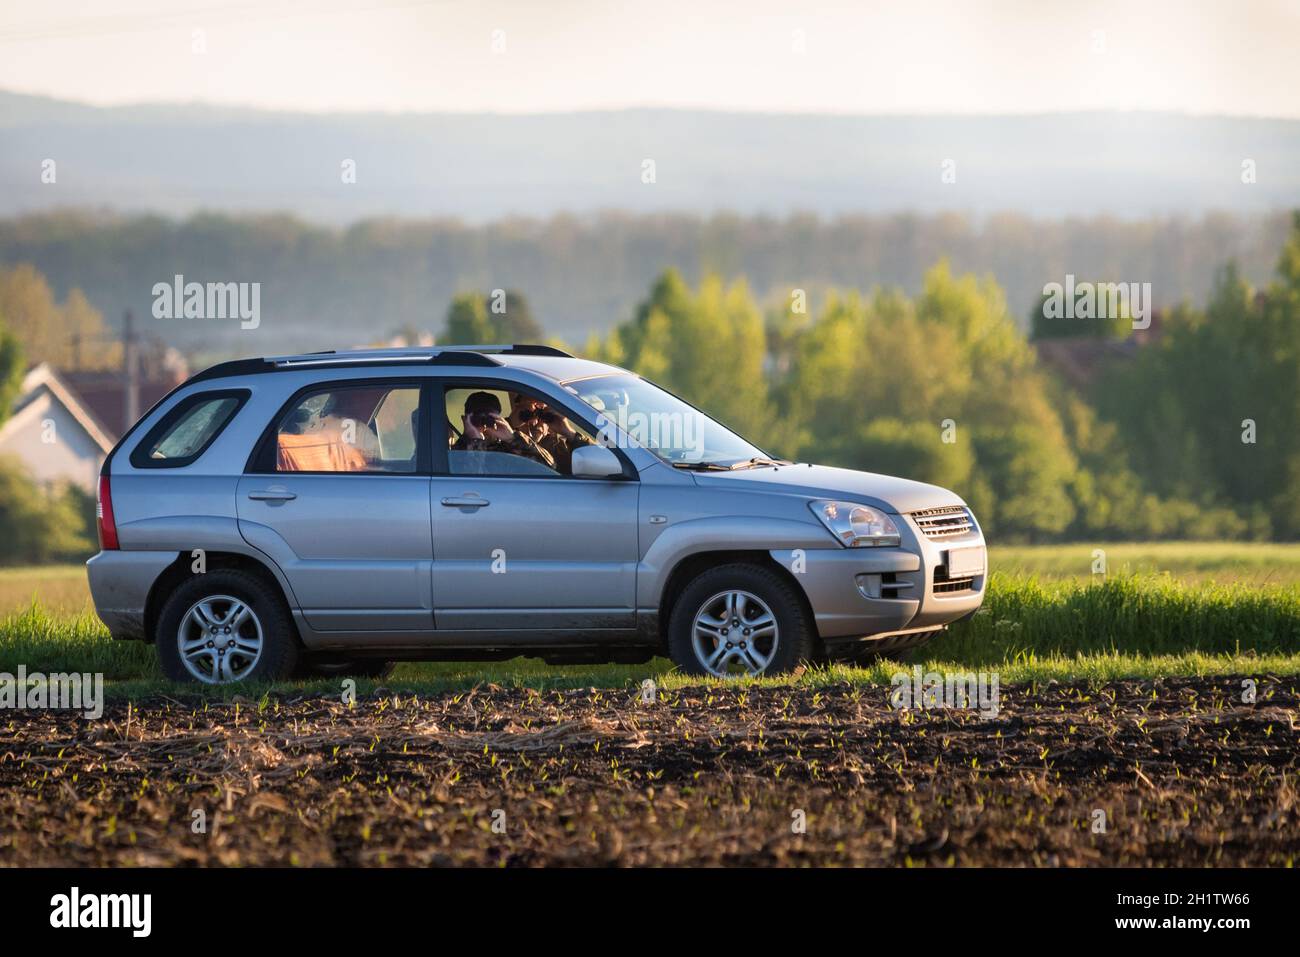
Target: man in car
x=347 y=413
x=551 y=431
x=486 y=430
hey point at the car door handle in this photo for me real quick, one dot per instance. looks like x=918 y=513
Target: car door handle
x=272 y=495
x=465 y=501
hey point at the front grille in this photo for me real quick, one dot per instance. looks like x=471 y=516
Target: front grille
x=943 y=585
x=955 y=584
x=943 y=522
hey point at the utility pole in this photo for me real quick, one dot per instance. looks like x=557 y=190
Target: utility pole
x=131 y=360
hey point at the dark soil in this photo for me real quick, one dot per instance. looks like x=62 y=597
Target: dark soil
x=1185 y=773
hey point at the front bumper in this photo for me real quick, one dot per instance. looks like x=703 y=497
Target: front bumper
x=864 y=592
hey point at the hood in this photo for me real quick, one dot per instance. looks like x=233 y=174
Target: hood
x=821 y=481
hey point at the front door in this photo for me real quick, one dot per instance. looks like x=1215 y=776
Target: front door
x=519 y=543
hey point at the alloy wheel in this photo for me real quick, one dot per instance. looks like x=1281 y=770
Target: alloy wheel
x=734 y=634
x=220 y=639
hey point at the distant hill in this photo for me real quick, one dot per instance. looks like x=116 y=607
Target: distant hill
x=176 y=159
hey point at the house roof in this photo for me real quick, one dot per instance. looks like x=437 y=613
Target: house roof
x=1080 y=360
x=103 y=395
x=43 y=378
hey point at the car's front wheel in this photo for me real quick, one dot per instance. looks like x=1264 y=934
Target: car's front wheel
x=738 y=620
x=226 y=626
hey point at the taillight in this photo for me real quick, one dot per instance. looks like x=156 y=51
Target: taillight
x=104 y=515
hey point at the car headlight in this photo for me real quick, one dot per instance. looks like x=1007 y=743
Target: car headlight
x=856 y=526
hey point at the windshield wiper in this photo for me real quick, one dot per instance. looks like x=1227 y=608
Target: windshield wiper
x=755 y=462
x=703 y=466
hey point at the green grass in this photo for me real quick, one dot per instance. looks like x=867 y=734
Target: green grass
x=1028 y=630
x=54 y=643
x=430 y=679
x=62 y=589
x=1253 y=563
x=59 y=589
x=1024 y=618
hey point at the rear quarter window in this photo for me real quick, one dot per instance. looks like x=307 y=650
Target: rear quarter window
x=187 y=430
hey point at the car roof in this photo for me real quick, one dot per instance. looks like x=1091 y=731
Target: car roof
x=561 y=369
x=548 y=361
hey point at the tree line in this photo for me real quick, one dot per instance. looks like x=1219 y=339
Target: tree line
x=1189 y=436
x=583 y=275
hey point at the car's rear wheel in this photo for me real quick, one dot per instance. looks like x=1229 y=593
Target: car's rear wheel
x=738 y=620
x=225 y=627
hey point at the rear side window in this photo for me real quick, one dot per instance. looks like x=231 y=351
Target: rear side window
x=354 y=428
x=187 y=430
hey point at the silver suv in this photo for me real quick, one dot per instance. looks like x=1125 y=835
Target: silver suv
x=332 y=513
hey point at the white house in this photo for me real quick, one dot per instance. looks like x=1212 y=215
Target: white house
x=53 y=433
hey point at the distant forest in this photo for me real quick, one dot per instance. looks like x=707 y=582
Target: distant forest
x=1187 y=432
x=324 y=287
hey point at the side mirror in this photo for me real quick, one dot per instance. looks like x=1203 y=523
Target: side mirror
x=595 y=461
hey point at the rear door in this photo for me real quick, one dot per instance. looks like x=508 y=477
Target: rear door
x=338 y=496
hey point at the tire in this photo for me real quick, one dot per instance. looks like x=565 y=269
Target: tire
x=310 y=667
x=760 y=593
x=211 y=600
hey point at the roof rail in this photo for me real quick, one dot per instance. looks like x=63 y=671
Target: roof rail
x=441 y=354
x=456 y=357
x=518 y=349
x=433 y=355
x=386 y=356
x=232 y=367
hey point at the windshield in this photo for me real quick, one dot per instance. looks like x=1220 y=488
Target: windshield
x=677 y=432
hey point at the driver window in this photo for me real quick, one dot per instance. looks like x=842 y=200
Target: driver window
x=497 y=432
x=351 y=429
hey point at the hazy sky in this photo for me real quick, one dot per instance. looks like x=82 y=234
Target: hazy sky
x=908 y=56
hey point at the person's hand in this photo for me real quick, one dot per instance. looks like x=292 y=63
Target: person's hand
x=552 y=423
x=470 y=429
x=500 y=429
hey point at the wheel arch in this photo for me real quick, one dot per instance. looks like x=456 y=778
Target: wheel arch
x=692 y=565
x=182 y=570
